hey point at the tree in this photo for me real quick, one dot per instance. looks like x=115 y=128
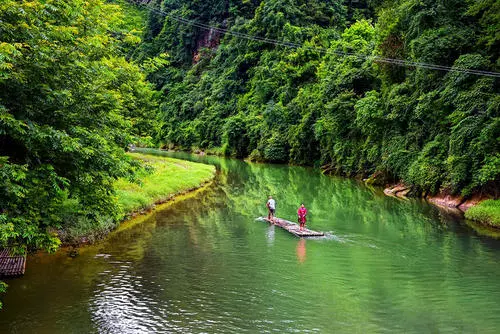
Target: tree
x=69 y=105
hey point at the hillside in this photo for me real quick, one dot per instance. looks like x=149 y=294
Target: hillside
x=326 y=101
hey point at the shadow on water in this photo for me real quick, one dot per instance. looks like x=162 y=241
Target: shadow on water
x=206 y=264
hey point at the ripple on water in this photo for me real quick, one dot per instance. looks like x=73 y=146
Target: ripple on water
x=120 y=305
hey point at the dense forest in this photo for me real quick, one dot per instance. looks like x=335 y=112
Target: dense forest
x=70 y=103
x=325 y=101
x=289 y=81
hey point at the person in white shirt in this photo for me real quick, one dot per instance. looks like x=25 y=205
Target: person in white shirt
x=271 y=206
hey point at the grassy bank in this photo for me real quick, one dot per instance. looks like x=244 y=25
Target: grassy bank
x=168 y=178
x=486 y=212
x=161 y=179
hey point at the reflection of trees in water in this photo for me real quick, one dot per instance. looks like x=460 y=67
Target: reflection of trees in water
x=181 y=259
x=399 y=260
x=333 y=203
x=338 y=204
x=202 y=215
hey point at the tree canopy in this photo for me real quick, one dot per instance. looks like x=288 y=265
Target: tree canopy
x=69 y=104
x=437 y=130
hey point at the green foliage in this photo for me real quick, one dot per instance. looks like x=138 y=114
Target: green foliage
x=428 y=170
x=87 y=230
x=437 y=130
x=127 y=26
x=69 y=105
x=3 y=288
x=235 y=137
x=487 y=212
x=276 y=149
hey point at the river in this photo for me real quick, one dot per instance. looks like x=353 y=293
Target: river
x=208 y=265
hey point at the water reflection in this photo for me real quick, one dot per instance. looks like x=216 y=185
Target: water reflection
x=301 y=250
x=270 y=234
x=206 y=265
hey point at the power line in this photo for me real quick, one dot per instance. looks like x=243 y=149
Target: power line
x=398 y=62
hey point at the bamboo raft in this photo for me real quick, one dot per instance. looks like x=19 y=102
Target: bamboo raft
x=11 y=264
x=294 y=228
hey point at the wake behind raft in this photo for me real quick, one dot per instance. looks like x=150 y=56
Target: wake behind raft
x=294 y=228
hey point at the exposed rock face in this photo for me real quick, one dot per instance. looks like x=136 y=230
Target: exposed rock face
x=210 y=39
x=458 y=203
x=448 y=201
x=474 y=200
x=399 y=190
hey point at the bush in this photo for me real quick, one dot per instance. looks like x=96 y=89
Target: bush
x=276 y=149
x=3 y=287
x=256 y=156
x=487 y=212
x=88 y=229
x=428 y=170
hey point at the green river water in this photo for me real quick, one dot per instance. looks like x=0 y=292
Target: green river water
x=206 y=265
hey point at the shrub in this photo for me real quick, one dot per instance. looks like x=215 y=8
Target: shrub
x=487 y=212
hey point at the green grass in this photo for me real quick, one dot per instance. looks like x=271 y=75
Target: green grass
x=161 y=179
x=487 y=212
x=169 y=177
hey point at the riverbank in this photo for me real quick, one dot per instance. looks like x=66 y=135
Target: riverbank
x=169 y=178
x=160 y=180
x=486 y=212
x=479 y=209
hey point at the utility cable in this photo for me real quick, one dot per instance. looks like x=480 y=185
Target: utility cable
x=399 y=62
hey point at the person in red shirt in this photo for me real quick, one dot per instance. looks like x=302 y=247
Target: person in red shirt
x=302 y=212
